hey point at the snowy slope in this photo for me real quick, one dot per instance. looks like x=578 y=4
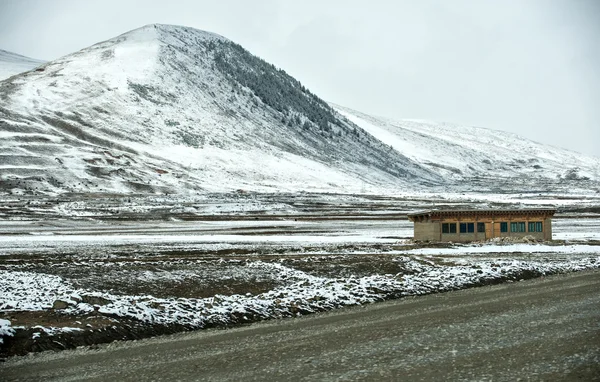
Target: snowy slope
x=469 y=153
x=12 y=63
x=171 y=109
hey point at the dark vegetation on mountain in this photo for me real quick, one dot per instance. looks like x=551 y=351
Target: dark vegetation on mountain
x=273 y=86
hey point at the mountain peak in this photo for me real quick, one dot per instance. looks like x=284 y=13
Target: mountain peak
x=178 y=29
x=165 y=108
x=162 y=33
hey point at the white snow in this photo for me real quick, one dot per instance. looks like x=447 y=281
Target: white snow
x=459 y=151
x=5 y=329
x=29 y=291
x=12 y=244
x=510 y=248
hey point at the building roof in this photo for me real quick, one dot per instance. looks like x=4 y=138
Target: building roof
x=421 y=215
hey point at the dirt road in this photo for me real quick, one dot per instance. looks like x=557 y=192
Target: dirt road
x=542 y=329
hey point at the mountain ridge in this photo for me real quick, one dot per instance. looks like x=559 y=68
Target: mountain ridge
x=170 y=109
x=13 y=63
x=465 y=152
x=191 y=100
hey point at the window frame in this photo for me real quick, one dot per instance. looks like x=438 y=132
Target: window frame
x=448 y=228
x=503 y=227
x=537 y=227
x=466 y=227
x=517 y=227
x=480 y=225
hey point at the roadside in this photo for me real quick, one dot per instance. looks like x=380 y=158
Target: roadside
x=541 y=329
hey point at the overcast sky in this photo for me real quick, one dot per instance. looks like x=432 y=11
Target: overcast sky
x=527 y=66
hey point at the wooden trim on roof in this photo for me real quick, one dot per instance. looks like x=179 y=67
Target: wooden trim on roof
x=425 y=215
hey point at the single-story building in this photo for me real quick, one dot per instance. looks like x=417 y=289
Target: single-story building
x=479 y=225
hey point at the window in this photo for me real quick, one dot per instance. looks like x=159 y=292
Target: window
x=517 y=227
x=467 y=227
x=535 y=227
x=470 y=227
x=480 y=227
x=448 y=227
x=503 y=227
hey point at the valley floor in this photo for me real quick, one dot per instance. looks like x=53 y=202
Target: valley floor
x=96 y=278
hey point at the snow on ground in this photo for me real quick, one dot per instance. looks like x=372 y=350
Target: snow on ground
x=307 y=294
x=576 y=229
x=71 y=242
x=577 y=236
x=511 y=248
x=269 y=250
x=302 y=292
x=5 y=329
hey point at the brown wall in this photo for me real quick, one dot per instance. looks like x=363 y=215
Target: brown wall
x=427 y=231
x=463 y=237
x=547 y=229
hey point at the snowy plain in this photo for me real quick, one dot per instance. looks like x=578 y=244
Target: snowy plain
x=289 y=267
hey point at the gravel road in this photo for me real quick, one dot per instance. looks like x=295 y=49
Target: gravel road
x=540 y=330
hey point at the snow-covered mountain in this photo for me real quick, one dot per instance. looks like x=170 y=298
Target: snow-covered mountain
x=480 y=157
x=166 y=108
x=12 y=63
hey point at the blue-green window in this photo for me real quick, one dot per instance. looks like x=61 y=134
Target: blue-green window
x=503 y=227
x=517 y=227
x=535 y=227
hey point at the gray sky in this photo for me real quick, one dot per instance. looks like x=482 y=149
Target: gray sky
x=526 y=66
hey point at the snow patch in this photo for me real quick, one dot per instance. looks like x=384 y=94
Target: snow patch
x=6 y=329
